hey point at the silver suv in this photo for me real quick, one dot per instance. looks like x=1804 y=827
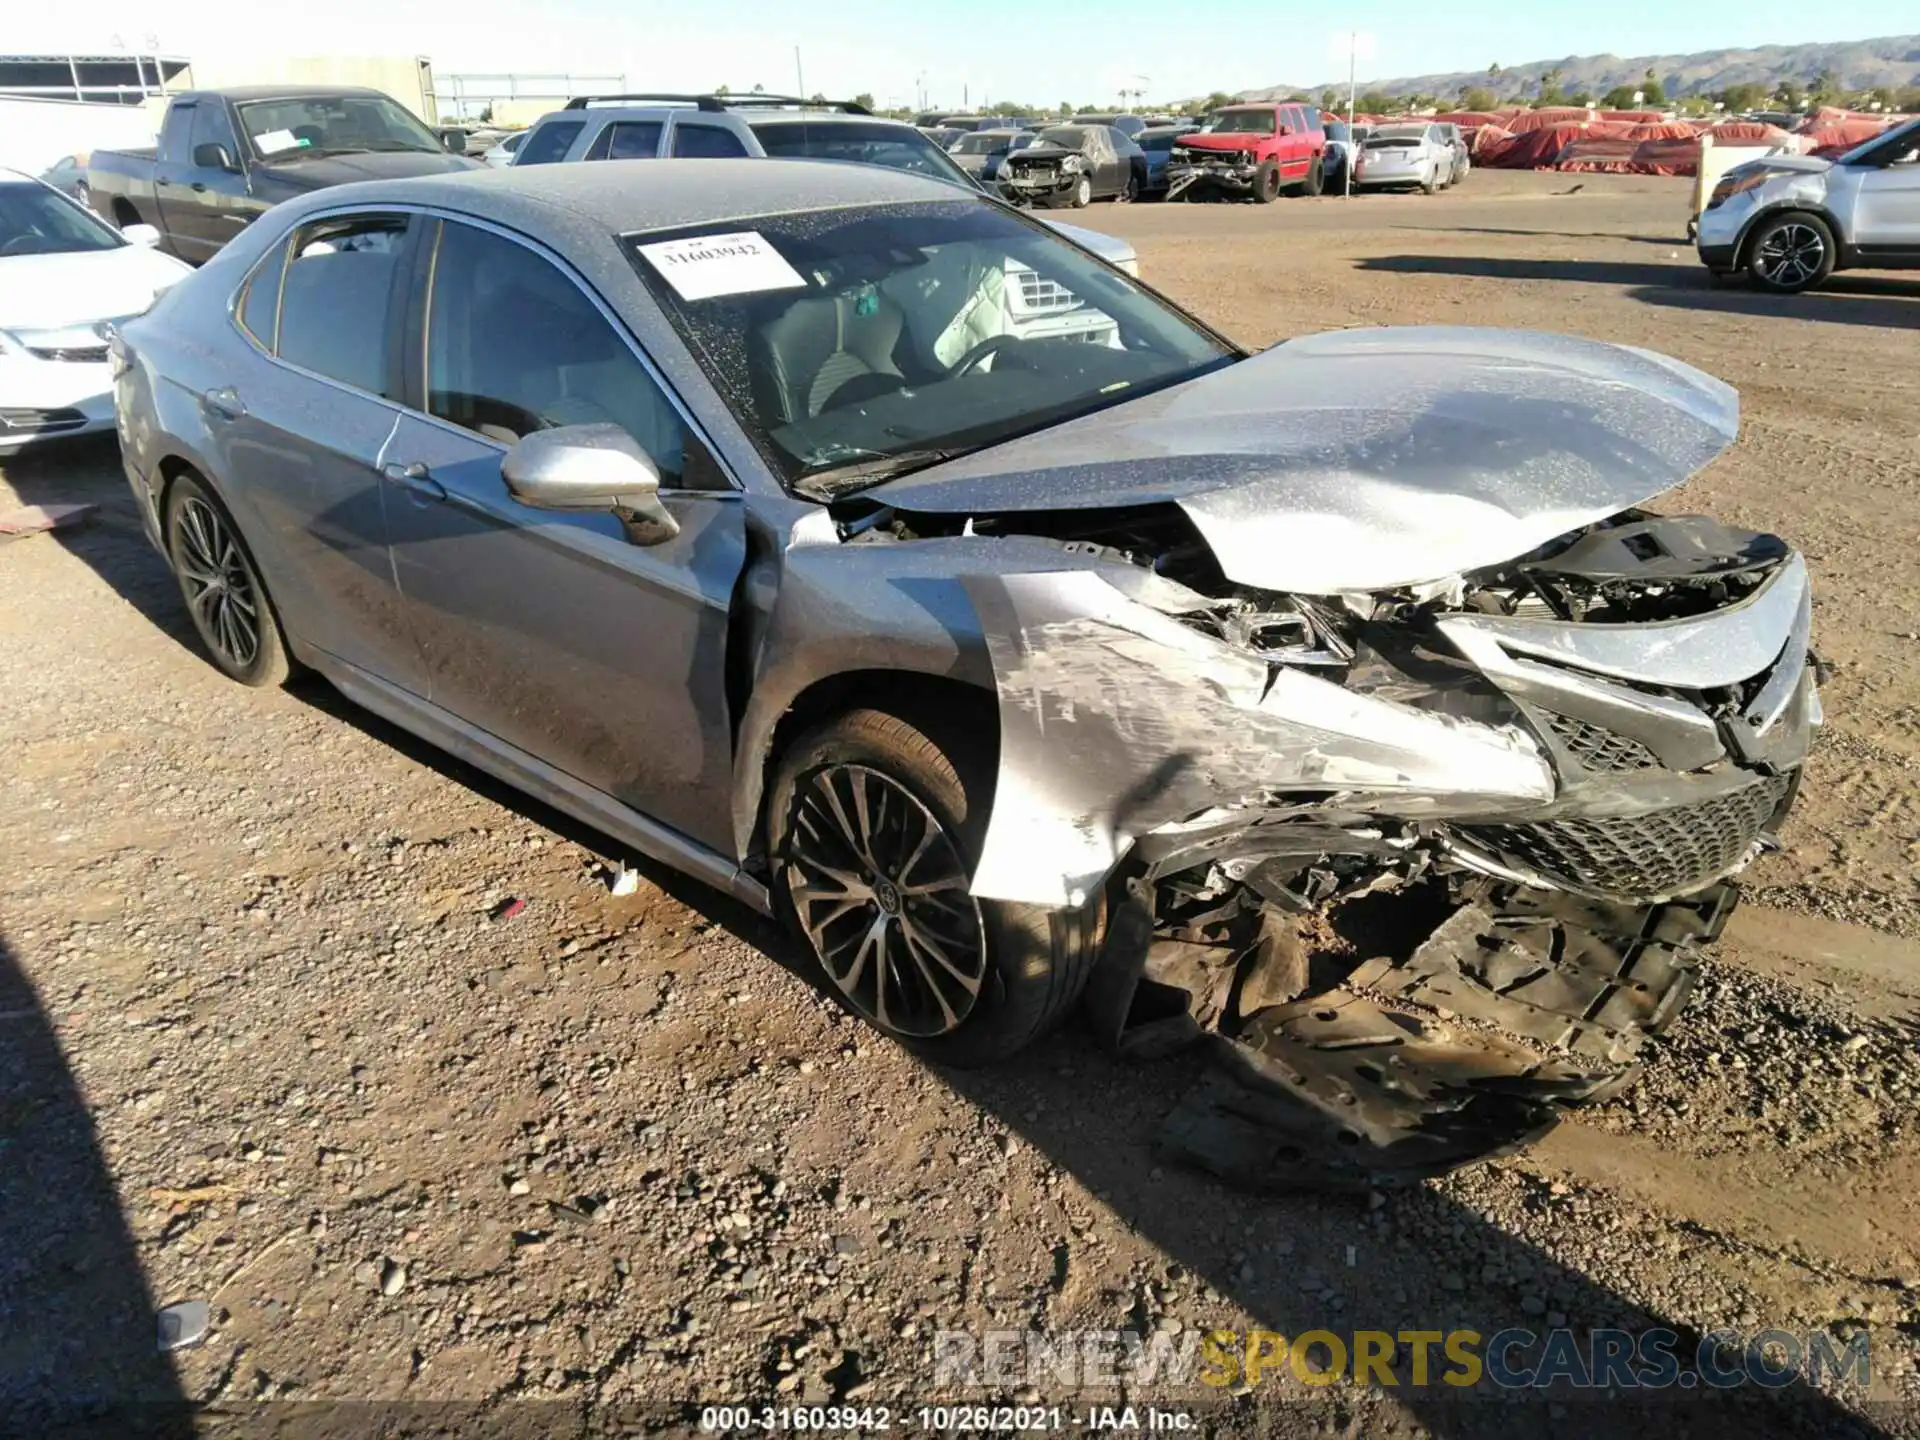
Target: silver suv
x=780 y=127
x=1789 y=221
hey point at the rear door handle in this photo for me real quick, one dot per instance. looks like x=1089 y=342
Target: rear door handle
x=224 y=403
x=415 y=479
x=199 y=186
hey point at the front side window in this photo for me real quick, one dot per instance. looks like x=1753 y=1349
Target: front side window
x=211 y=127
x=513 y=345
x=706 y=142
x=548 y=144
x=332 y=124
x=37 y=220
x=336 y=299
x=852 y=344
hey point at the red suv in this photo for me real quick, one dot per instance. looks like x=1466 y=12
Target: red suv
x=1257 y=150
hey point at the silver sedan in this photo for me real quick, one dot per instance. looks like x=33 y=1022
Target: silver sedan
x=875 y=554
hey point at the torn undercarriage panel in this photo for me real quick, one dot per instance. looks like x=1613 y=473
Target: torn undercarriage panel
x=1466 y=1046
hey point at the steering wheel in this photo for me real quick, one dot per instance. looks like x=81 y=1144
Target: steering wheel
x=980 y=353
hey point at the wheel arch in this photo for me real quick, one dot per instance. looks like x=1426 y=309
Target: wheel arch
x=937 y=702
x=1742 y=248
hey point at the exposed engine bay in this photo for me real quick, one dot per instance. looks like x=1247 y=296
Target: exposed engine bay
x=1423 y=865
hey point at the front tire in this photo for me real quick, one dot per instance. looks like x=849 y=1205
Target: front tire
x=875 y=829
x=225 y=595
x=1791 y=253
x=1266 y=183
x=1082 y=195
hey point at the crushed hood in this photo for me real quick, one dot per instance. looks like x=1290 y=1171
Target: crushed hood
x=1367 y=459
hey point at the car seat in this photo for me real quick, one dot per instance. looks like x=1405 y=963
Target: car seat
x=824 y=348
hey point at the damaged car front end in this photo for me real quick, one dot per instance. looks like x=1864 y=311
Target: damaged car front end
x=1409 y=761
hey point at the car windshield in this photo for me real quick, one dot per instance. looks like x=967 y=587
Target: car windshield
x=1395 y=139
x=1064 y=137
x=36 y=221
x=1244 y=122
x=857 y=344
x=285 y=129
x=1911 y=130
x=981 y=142
x=898 y=147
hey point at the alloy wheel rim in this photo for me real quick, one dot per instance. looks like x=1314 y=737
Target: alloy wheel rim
x=219 y=588
x=1791 y=255
x=882 y=893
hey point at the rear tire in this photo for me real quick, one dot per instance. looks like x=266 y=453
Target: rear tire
x=1790 y=253
x=1316 y=180
x=1266 y=183
x=875 y=829
x=225 y=596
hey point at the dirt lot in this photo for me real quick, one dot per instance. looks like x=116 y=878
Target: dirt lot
x=262 y=1044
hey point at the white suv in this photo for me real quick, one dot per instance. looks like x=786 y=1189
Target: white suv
x=720 y=127
x=1789 y=221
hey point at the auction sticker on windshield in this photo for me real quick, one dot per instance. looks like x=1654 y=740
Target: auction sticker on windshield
x=275 y=141
x=742 y=263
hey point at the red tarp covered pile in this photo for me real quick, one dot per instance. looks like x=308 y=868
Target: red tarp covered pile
x=1829 y=132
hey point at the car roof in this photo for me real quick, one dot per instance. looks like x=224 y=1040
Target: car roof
x=619 y=197
x=747 y=114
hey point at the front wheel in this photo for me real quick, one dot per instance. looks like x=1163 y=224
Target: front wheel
x=875 y=829
x=1790 y=253
x=1266 y=183
x=222 y=588
x=1082 y=195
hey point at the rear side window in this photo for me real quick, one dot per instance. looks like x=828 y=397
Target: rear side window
x=335 y=300
x=706 y=142
x=626 y=140
x=548 y=144
x=260 y=301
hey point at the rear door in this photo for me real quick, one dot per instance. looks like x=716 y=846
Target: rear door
x=549 y=141
x=549 y=630
x=305 y=434
x=1296 y=146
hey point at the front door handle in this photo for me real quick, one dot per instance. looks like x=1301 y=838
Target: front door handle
x=199 y=187
x=415 y=479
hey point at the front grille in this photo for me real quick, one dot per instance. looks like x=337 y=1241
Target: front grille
x=1663 y=852
x=40 y=422
x=88 y=355
x=1219 y=157
x=1597 y=748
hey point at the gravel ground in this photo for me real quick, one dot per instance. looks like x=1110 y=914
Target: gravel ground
x=279 y=1049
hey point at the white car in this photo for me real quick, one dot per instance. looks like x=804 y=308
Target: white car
x=500 y=156
x=1406 y=155
x=66 y=277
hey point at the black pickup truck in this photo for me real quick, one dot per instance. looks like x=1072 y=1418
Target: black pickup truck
x=225 y=156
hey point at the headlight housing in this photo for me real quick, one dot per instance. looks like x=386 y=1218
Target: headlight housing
x=1732 y=185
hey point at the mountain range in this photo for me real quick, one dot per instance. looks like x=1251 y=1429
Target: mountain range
x=1855 y=64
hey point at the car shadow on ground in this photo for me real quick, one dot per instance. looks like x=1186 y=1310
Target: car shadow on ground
x=1672 y=242
x=1845 y=299
x=1416 y=1261
x=79 y=1349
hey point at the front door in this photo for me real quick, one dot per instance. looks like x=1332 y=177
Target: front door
x=1887 y=212
x=217 y=205
x=554 y=631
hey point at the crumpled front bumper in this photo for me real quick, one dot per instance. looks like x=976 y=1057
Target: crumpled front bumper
x=1570 y=863
x=1226 y=175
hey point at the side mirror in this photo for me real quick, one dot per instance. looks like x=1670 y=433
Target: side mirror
x=214 y=156
x=590 y=467
x=140 y=234
x=455 y=141
x=1283 y=130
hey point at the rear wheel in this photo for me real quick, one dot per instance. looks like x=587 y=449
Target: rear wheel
x=875 y=829
x=1316 y=180
x=1431 y=184
x=1266 y=183
x=222 y=588
x=1790 y=253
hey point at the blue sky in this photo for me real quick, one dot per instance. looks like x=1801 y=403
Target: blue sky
x=1032 y=52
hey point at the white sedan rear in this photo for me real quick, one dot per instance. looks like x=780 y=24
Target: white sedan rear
x=65 y=278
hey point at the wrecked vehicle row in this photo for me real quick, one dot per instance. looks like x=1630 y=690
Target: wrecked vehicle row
x=1395 y=752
